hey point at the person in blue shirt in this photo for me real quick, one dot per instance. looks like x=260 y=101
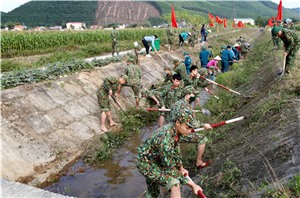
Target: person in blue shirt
x=227 y=56
x=182 y=37
x=204 y=56
x=149 y=39
x=187 y=62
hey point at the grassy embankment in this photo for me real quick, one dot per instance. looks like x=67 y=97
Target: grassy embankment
x=272 y=102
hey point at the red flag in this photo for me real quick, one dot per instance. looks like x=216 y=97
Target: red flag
x=211 y=17
x=219 y=20
x=240 y=24
x=233 y=24
x=174 y=23
x=279 y=13
x=270 y=21
x=211 y=24
x=225 y=22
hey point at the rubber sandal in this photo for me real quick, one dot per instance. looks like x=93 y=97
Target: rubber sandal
x=207 y=163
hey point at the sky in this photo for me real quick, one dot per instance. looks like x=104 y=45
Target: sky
x=9 y=5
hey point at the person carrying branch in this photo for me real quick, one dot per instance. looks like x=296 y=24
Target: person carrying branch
x=291 y=45
x=106 y=89
x=159 y=159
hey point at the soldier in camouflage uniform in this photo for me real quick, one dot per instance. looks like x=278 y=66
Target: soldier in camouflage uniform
x=194 y=37
x=114 y=35
x=170 y=94
x=134 y=80
x=168 y=75
x=159 y=158
x=152 y=96
x=106 y=89
x=189 y=96
x=276 y=40
x=170 y=37
x=195 y=80
x=291 y=44
x=179 y=68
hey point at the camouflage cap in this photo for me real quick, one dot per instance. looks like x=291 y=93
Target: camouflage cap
x=185 y=115
x=223 y=47
x=186 y=53
x=202 y=71
x=203 y=47
x=166 y=68
x=275 y=30
x=175 y=61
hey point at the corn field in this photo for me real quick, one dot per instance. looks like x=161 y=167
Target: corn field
x=18 y=41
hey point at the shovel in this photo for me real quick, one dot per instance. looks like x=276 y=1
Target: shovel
x=204 y=111
x=283 y=68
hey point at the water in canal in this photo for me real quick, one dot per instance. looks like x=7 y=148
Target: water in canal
x=118 y=177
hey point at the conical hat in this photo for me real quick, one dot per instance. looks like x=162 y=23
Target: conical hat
x=217 y=58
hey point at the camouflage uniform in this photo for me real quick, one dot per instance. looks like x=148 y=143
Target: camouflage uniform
x=180 y=69
x=102 y=93
x=291 y=44
x=149 y=93
x=194 y=37
x=134 y=78
x=169 y=96
x=192 y=137
x=195 y=82
x=276 y=40
x=170 y=37
x=115 y=44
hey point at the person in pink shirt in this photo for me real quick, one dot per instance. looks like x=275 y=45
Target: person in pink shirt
x=214 y=63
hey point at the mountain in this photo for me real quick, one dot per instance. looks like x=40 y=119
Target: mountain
x=50 y=13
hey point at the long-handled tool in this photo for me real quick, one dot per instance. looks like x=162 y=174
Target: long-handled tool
x=204 y=111
x=164 y=60
x=221 y=123
x=207 y=90
x=283 y=67
x=226 y=88
x=200 y=193
x=114 y=99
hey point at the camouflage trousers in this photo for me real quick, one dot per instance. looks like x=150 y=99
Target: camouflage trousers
x=290 y=59
x=103 y=101
x=156 y=176
x=115 y=47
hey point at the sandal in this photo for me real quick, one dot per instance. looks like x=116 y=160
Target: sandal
x=207 y=163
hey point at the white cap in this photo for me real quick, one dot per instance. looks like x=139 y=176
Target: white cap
x=235 y=45
x=217 y=58
x=135 y=44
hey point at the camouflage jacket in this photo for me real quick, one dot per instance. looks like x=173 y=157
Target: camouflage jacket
x=170 y=95
x=108 y=83
x=134 y=74
x=195 y=82
x=161 y=149
x=181 y=69
x=114 y=35
x=170 y=33
x=290 y=40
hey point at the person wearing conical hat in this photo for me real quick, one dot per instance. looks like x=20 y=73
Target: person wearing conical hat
x=183 y=37
x=214 y=63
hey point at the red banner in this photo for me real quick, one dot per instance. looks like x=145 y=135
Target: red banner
x=279 y=13
x=225 y=22
x=233 y=24
x=174 y=23
x=211 y=17
x=219 y=20
x=211 y=24
x=240 y=24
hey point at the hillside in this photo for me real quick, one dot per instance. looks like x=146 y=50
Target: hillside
x=50 y=13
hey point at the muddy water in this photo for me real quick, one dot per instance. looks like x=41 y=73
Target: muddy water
x=118 y=177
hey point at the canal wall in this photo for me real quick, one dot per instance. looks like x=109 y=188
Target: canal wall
x=44 y=124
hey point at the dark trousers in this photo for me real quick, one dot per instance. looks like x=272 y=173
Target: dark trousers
x=180 y=40
x=145 y=43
